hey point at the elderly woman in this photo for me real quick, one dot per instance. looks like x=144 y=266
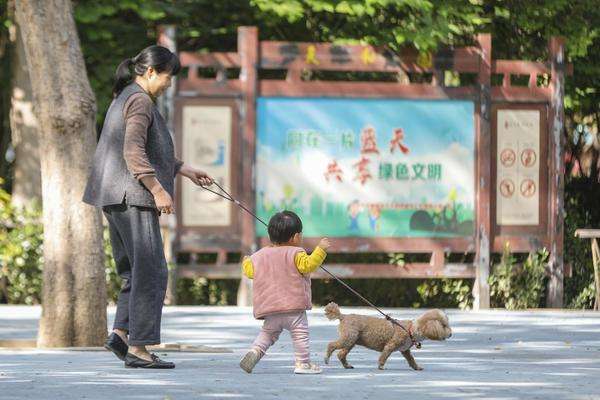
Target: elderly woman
x=132 y=179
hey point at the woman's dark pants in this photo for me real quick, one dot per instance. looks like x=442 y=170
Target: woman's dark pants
x=138 y=252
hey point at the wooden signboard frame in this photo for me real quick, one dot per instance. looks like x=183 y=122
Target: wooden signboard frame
x=296 y=59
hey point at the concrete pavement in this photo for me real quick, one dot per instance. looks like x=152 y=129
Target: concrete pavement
x=491 y=355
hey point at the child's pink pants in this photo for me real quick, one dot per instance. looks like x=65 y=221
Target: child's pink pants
x=296 y=323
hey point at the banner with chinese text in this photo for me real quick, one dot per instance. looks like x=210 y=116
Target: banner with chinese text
x=367 y=167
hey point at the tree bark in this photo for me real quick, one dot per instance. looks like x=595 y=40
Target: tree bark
x=26 y=184
x=5 y=67
x=74 y=289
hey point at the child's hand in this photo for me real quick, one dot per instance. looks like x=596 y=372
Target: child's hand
x=324 y=244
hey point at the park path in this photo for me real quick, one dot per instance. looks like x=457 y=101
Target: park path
x=491 y=355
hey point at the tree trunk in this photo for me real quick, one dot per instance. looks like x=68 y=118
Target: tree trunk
x=5 y=66
x=26 y=185
x=74 y=289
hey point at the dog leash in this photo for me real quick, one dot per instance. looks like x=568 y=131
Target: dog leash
x=225 y=195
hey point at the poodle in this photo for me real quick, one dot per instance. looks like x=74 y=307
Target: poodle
x=382 y=335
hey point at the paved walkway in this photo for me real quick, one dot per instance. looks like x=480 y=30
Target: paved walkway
x=492 y=355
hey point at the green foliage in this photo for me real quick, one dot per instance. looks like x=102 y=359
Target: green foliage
x=446 y=293
x=21 y=248
x=110 y=32
x=113 y=281
x=581 y=211
x=113 y=30
x=428 y=293
x=202 y=291
x=516 y=286
x=425 y=24
x=584 y=299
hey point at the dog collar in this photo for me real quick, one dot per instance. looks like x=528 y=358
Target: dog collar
x=414 y=342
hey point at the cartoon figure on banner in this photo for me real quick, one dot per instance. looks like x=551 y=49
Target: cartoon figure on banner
x=362 y=174
x=397 y=141
x=374 y=215
x=334 y=171
x=368 y=141
x=354 y=210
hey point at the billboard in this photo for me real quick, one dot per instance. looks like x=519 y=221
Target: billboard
x=354 y=167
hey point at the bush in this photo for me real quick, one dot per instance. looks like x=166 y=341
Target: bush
x=202 y=291
x=428 y=293
x=582 y=211
x=21 y=252
x=517 y=286
x=21 y=255
x=446 y=293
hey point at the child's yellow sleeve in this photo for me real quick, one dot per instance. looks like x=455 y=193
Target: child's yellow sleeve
x=248 y=267
x=307 y=264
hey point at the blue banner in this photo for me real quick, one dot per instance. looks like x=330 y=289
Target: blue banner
x=367 y=167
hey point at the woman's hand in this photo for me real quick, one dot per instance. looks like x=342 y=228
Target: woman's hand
x=197 y=176
x=162 y=198
x=164 y=202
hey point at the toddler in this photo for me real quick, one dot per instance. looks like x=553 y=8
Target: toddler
x=281 y=290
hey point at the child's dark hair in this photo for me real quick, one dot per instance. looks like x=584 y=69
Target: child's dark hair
x=159 y=58
x=283 y=226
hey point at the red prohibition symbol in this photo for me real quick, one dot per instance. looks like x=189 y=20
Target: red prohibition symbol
x=528 y=188
x=507 y=188
x=528 y=157
x=508 y=157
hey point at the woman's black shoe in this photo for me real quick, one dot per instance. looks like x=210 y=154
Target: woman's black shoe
x=132 y=361
x=117 y=345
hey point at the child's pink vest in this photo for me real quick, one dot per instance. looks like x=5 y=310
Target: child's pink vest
x=278 y=286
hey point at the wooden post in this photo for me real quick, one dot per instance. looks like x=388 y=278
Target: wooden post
x=596 y=260
x=557 y=181
x=483 y=237
x=593 y=235
x=248 y=48
x=167 y=38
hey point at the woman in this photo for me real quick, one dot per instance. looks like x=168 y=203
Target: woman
x=132 y=180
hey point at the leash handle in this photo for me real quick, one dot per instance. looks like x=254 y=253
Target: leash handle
x=229 y=197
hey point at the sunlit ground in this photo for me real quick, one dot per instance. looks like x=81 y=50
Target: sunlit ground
x=492 y=355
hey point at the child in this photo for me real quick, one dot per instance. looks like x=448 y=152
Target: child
x=281 y=290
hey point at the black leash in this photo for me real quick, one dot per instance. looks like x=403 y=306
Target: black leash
x=229 y=197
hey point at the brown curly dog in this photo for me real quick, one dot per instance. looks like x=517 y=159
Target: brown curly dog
x=381 y=335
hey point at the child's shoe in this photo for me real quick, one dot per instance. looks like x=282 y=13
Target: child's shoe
x=307 y=368
x=250 y=360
